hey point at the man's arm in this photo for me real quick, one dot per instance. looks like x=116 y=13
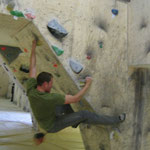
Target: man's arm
x=73 y=99
x=32 y=72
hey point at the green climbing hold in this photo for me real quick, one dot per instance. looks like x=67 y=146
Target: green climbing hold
x=17 y=13
x=57 y=50
x=101 y=44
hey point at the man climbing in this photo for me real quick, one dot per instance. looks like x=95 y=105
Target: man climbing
x=47 y=107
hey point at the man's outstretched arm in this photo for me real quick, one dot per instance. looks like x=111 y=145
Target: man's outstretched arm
x=32 y=71
x=73 y=99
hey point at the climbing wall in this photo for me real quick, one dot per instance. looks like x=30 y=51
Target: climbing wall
x=106 y=40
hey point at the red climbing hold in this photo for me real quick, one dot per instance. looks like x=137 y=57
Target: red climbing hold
x=25 y=50
x=88 y=57
x=55 y=65
x=15 y=70
x=3 y=48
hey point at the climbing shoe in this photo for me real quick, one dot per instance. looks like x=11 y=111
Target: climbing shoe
x=122 y=117
x=39 y=138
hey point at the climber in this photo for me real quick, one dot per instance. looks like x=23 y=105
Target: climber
x=48 y=108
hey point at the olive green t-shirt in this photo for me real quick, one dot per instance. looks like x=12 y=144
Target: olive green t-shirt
x=43 y=104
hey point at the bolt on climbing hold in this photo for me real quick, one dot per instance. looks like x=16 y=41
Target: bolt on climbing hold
x=82 y=82
x=115 y=12
x=10 y=6
x=57 y=50
x=24 y=68
x=29 y=14
x=3 y=48
x=101 y=44
x=38 y=42
x=15 y=70
x=88 y=57
x=75 y=66
x=17 y=13
x=55 y=65
x=56 y=29
x=25 y=50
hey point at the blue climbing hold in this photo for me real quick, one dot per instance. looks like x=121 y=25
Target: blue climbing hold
x=115 y=12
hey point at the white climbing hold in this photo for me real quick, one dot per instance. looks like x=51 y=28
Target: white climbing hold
x=15 y=17
x=112 y=135
x=113 y=16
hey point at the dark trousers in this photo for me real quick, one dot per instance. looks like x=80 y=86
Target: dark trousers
x=65 y=119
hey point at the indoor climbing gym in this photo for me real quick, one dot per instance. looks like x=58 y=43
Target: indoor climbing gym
x=74 y=75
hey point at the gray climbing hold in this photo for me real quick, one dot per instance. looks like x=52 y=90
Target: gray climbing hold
x=75 y=66
x=56 y=29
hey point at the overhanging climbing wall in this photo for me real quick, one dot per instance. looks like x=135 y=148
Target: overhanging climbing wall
x=104 y=38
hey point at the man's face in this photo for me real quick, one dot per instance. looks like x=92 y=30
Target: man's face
x=48 y=86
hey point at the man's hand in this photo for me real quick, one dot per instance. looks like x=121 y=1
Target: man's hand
x=73 y=99
x=88 y=81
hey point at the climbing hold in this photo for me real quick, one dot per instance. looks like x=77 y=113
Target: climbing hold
x=17 y=13
x=3 y=48
x=56 y=29
x=10 y=6
x=115 y=12
x=88 y=57
x=89 y=54
x=82 y=82
x=75 y=66
x=29 y=14
x=55 y=65
x=24 y=68
x=57 y=50
x=15 y=70
x=101 y=44
x=25 y=50
x=10 y=53
x=38 y=42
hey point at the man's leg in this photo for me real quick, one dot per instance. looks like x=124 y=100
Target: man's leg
x=83 y=117
x=93 y=118
x=61 y=110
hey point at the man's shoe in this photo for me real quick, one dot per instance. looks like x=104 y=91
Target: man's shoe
x=122 y=117
x=39 y=138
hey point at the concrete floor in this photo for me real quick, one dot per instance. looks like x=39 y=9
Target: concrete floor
x=16 y=132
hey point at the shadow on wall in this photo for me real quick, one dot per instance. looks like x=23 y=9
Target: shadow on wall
x=141 y=78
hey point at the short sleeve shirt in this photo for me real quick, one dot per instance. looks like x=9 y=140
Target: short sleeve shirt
x=43 y=104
